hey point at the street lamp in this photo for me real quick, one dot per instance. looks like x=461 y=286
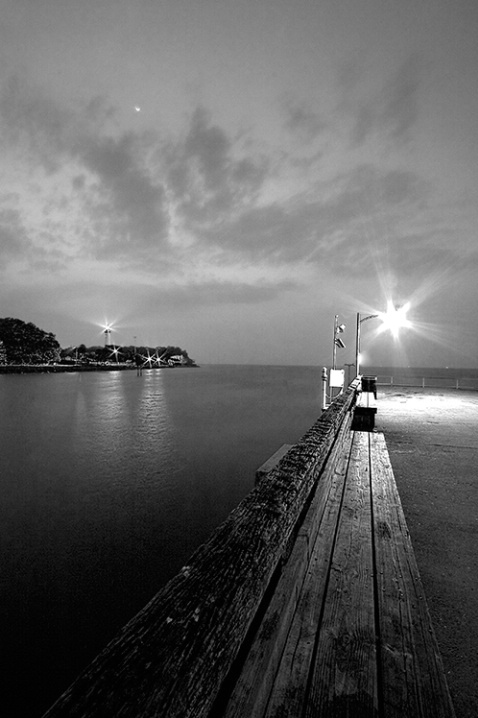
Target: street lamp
x=360 y=320
x=393 y=319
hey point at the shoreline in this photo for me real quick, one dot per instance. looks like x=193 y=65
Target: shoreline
x=65 y=368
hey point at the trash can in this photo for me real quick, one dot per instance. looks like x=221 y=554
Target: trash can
x=369 y=383
x=364 y=418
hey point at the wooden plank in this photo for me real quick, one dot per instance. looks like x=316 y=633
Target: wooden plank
x=344 y=680
x=412 y=676
x=251 y=692
x=289 y=693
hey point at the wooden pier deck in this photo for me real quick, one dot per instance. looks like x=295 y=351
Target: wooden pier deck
x=348 y=630
x=306 y=602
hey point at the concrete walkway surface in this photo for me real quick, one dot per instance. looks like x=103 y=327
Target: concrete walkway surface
x=432 y=438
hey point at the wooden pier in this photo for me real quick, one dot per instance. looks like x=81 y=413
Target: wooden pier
x=306 y=602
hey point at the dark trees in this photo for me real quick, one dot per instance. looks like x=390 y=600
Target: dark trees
x=25 y=343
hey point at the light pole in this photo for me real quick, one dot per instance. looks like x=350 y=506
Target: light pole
x=393 y=319
x=360 y=319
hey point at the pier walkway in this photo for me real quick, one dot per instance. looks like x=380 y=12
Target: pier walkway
x=306 y=602
x=347 y=631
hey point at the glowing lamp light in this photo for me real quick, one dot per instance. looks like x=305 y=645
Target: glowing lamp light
x=395 y=318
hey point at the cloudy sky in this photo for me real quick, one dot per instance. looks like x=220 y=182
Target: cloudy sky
x=227 y=175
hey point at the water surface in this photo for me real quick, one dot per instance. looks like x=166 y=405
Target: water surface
x=109 y=482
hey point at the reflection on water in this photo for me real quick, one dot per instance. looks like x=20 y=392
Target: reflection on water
x=109 y=482
x=127 y=424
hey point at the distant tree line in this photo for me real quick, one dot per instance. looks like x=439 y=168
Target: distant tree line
x=25 y=343
x=154 y=356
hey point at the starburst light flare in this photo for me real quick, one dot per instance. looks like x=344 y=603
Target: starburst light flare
x=395 y=318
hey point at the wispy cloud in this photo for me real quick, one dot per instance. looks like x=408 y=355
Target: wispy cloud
x=208 y=174
x=302 y=121
x=388 y=111
x=126 y=206
x=33 y=124
x=352 y=209
x=174 y=205
x=13 y=235
x=123 y=208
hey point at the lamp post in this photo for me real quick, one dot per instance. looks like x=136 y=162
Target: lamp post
x=360 y=319
x=393 y=319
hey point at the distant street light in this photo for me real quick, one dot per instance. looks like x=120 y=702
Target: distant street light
x=392 y=320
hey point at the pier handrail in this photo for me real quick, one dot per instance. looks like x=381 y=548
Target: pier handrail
x=174 y=657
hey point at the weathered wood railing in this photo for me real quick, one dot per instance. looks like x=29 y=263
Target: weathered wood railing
x=175 y=657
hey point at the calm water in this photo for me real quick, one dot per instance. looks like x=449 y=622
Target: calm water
x=109 y=482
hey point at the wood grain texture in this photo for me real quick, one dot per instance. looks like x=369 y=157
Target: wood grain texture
x=344 y=679
x=290 y=690
x=265 y=661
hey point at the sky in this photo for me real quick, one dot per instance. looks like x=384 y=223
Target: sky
x=228 y=175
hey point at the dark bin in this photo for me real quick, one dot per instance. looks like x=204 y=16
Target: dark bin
x=364 y=418
x=369 y=383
